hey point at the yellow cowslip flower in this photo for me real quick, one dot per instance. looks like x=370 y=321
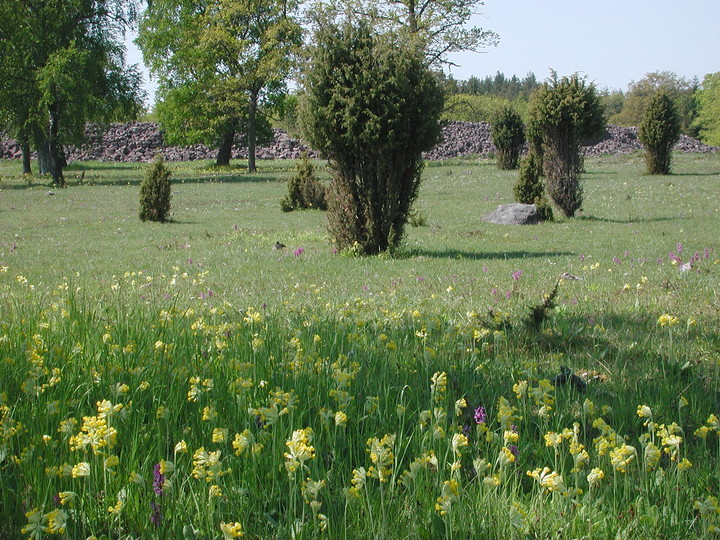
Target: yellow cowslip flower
x=242 y=442
x=181 y=447
x=81 y=469
x=117 y=508
x=549 y=480
x=459 y=440
x=382 y=456
x=553 y=439
x=460 y=405
x=491 y=481
x=652 y=456
x=359 y=477
x=299 y=449
x=672 y=445
x=67 y=497
x=340 y=419
x=438 y=386
x=166 y=467
x=621 y=456
x=34 y=526
x=449 y=494
x=322 y=522
x=667 y=320
x=643 y=411
x=111 y=461
x=505 y=457
x=231 y=530
x=713 y=423
x=135 y=478
x=510 y=436
x=219 y=435
x=595 y=476
x=209 y=413
x=520 y=388
x=684 y=465
x=215 y=491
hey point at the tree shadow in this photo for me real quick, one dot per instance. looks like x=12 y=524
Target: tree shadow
x=460 y=254
x=626 y=221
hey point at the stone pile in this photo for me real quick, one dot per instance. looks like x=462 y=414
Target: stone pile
x=141 y=141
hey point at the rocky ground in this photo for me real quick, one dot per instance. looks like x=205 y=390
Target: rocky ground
x=141 y=141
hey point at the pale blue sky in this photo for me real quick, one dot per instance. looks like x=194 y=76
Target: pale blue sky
x=612 y=42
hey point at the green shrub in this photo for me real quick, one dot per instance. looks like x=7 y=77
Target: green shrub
x=304 y=189
x=155 y=192
x=508 y=134
x=564 y=114
x=658 y=132
x=469 y=108
x=530 y=189
x=371 y=106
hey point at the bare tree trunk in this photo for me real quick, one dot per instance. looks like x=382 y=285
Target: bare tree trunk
x=57 y=156
x=25 y=146
x=42 y=147
x=252 y=131
x=225 y=150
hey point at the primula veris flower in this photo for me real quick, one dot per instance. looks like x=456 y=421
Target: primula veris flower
x=231 y=530
x=667 y=320
x=81 y=469
x=594 y=476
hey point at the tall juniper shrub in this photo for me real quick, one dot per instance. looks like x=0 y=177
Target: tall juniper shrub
x=155 y=192
x=508 y=134
x=565 y=113
x=371 y=106
x=658 y=132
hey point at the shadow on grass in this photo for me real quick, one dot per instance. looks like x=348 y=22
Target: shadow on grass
x=459 y=254
x=626 y=221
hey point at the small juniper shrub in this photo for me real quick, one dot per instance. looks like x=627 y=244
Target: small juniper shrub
x=658 y=132
x=508 y=134
x=305 y=190
x=417 y=218
x=539 y=313
x=155 y=192
x=529 y=188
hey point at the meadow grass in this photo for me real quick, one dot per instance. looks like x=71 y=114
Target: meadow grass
x=188 y=380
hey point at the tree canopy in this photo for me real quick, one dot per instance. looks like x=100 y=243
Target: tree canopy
x=708 y=104
x=63 y=65
x=438 y=27
x=218 y=63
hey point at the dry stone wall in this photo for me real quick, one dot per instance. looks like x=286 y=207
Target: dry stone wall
x=141 y=141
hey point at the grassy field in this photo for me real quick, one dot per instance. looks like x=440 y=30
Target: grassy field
x=188 y=380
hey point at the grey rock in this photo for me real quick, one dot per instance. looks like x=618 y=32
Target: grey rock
x=513 y=214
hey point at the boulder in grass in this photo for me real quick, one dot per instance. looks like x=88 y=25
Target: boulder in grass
x=513 y=214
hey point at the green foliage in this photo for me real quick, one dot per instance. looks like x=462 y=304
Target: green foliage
x=305 y=190
x=371 y=106
x=658 y=132
x=62 y=66
x=469 y=108
x=529 y=188
x=156 y=192
x=508 y=134
x=708 y=108
x=221 y=66
x=437 y=27
x=512 y=88
x=640 y=93
x=564 y=114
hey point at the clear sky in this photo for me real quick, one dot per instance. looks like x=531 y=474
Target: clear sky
x=612 y=42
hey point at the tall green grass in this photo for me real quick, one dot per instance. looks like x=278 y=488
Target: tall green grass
x=206 y=382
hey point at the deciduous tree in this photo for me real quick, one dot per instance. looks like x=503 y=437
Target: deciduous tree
x=218 y=63
x=708 y=102
x=62 y=66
